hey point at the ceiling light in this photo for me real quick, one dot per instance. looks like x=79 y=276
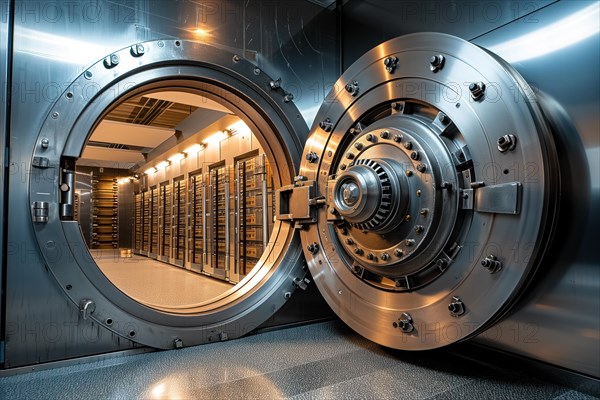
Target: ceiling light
x=150 y=171
x=193 y=149
x=239 y=128
x=163 y=164
x=201 y=32
x=177 y=157
x=216 y=138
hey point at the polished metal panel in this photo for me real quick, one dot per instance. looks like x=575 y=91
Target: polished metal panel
x=557 y=320
x=418 y=267
x=6 y=29
x=56 y=38
x=384 y=20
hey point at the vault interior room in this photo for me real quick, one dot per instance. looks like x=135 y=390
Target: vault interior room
x=385 y=184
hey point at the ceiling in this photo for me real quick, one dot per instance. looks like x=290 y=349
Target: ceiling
x=136 y=126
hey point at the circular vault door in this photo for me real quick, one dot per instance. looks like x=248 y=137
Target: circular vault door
x=189 y=67
x=426 y=192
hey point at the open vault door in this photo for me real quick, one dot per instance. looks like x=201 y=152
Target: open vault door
x=169 y=65
x=427 y=191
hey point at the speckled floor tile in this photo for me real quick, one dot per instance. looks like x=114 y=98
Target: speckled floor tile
x=319 y=361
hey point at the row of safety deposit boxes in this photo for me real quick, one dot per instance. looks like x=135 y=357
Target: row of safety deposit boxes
x=215 y=221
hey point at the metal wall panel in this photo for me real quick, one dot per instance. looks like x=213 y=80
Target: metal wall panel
x=384 y=20
x=6 y=23
x=557 y=320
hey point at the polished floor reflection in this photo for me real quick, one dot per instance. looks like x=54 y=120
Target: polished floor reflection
x=156 y=283
x=319 y=361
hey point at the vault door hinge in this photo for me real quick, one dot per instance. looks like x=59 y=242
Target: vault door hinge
x=298 y=203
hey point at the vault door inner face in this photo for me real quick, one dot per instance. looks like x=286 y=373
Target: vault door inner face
x=214 y=74
x=426 y=192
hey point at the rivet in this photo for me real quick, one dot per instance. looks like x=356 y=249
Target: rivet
x=370 y=138
x=405 y=323
x=385 y=134
x=54 y=115
x=407 y=218
x=409 y=242
x=398 y=253
x=421 y=168
x=477 y=90
x=326 y=125
x=418 y=193
x=506 y=143
x=414 y=155
x=436 y=62
x=397 y=138
x=358 y=251
x=343 y=167
x=424 y=212
x=45 y=143
x=419 y=229
x=137 y=50
x=349 y=241
x=312 y=157
x=352 y=88
x=408 y=172
x=358 y=146
x=491 y=263
x=408 y=145
x=350 y=156
x=456 y=307
x=385 y=256
x=313 y=248
x=275 y=84
x=390 y=63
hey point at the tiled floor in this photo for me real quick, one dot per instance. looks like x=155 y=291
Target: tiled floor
x=319 y=361
x=156 y=283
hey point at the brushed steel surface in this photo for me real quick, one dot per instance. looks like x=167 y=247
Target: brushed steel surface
x=557 y=320
x=6 y=27
x=366 y=24
x=371 y=308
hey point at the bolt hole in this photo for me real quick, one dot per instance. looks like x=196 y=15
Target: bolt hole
x=177 y=43
x=505 y=172
x=69 y=95
x=457 y=105
x=68 y=287
x=131 y=333
x=395 y=324
x=109 y=321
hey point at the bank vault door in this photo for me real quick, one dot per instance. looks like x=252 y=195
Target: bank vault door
x=427 y=191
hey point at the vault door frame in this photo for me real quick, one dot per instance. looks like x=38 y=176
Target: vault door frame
x=214 y=73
